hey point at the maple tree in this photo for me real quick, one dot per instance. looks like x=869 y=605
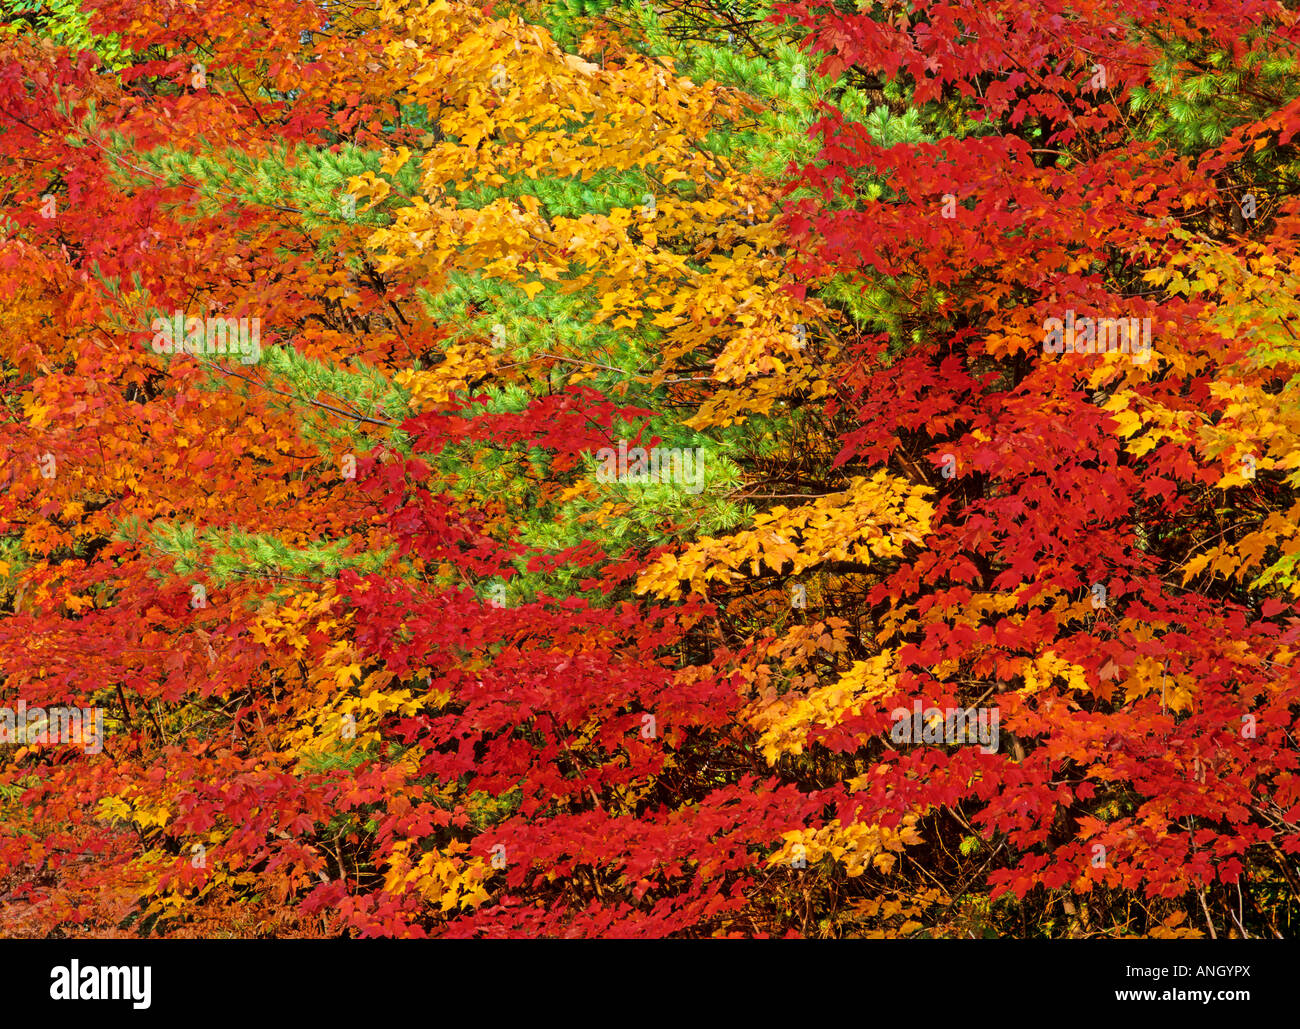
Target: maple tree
x=321 y=319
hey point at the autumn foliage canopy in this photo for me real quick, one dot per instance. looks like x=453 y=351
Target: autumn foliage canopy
x=961 y=339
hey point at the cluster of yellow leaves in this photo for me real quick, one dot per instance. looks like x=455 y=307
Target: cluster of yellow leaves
x=286 y=624
x=1040 y=672
x=901 y=619
x=1144 y=676
x=857 y=846
x=1147 y=676
x=784 y=722
x=460 y=366
x=351 y=707
x=872 y=519
x=699 y=263
x=336 y=704
x=1250 y=319
x=908 y=907
x=128 y=807
x=174 y=896
x=445 y=878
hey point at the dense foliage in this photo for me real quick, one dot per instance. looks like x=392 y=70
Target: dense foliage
x=960 y=343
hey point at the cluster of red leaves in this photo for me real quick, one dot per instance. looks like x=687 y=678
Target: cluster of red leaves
x=1044 y=499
